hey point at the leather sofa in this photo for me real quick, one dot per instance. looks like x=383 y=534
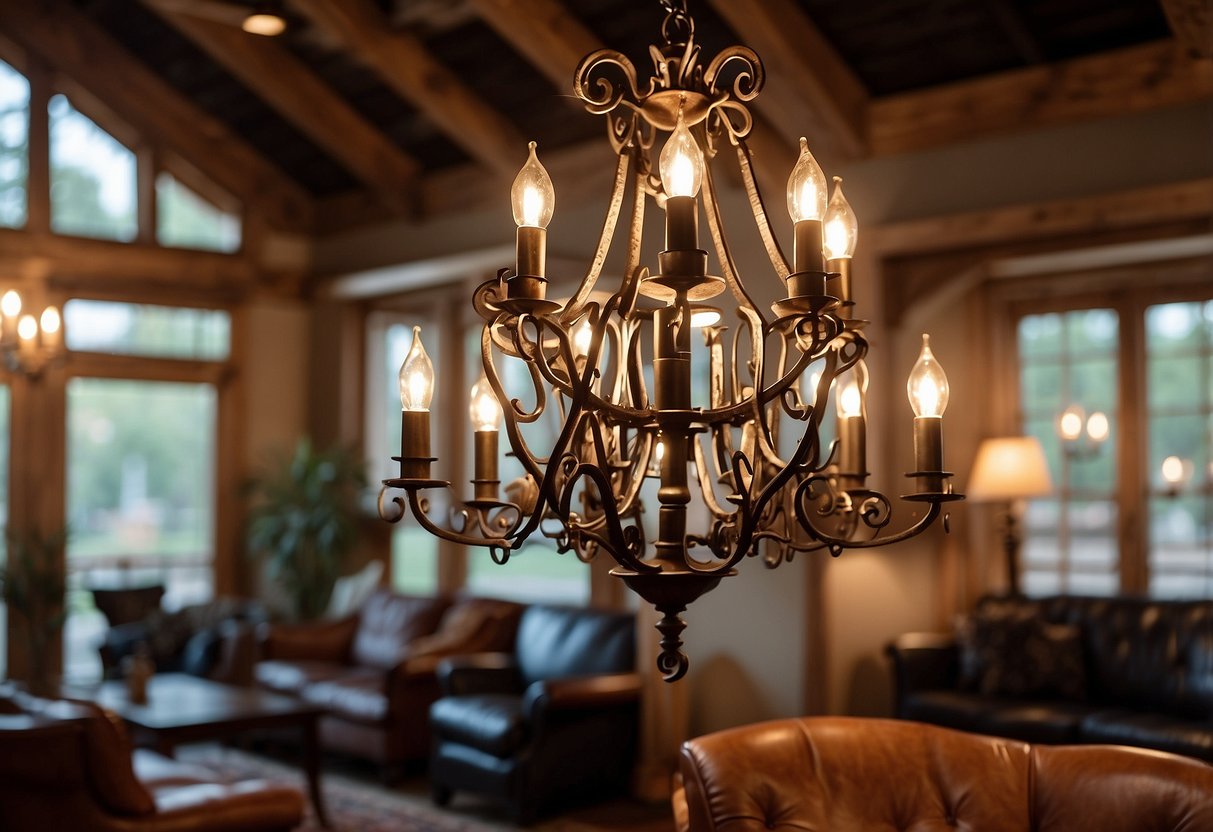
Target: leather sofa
x=375 y=672
x=843 y=773
x=1068 y=669
x=556 y=721
x=69 y=765
x=216 y=640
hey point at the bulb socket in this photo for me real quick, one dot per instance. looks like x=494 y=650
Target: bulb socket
x=681 y=223
x=838 y=282
x=806 y=251
x=928 y=454
x=415 y=456
x=531 y=247
x=484 y=451
x=853 y=452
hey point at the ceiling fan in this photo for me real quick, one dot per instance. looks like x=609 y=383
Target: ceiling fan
x=267 y=18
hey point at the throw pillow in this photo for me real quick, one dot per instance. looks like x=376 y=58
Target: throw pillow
x=1022 y=656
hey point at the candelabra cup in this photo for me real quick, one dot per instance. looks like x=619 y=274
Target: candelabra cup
x=415 y=456
x=485 y=481
x=838 y=280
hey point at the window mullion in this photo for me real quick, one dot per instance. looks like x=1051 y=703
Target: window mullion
x=1133 y=442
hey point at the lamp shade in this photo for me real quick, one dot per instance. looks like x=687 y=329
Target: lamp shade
x=1009 y=468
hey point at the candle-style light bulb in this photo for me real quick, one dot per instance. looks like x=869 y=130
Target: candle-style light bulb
x=582 y=338
x=27 y=328
x=806 y=187
x=50 y=320
x=10 y=304
x=850 y=401
x=416 y=377
x=532 y=197
x=841 y=226
x=681 y=162
x=484 y=409
x=927 y=386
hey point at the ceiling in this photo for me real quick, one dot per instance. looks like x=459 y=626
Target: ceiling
x=485 y=89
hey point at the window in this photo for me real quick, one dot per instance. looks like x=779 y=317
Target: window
x=4 y=446
x=1117 y=523
x=92 y=178
x=186 y=220
x=1179 y=373
x=140 y=498
x=1070 y=539
x=14 y=146
x=151 y=331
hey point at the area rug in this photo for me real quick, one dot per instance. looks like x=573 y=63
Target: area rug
x=353 y=805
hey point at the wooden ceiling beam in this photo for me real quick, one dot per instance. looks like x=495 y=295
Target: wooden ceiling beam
x=1135 y=79
x=74 y=45
x=404 y=63
x=810 y=90
x=291 y=88
x=1192 y=24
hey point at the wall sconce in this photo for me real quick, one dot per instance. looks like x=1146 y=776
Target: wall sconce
x=29 y=344
x=1082 y=436
x=1175 y=475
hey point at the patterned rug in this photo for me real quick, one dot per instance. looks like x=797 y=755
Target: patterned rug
x=353 y=805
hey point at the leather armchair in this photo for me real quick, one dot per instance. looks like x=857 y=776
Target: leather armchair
x=556 y=720
x=856 y=774
x=69 y=765
x=375 y=672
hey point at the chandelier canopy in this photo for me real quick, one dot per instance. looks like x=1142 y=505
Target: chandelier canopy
x=616 y=365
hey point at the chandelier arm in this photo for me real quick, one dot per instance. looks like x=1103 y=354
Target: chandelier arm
x=837 y=544
x=730 y=414
x=727 y=266
x=394 y=517
x=573 y=308
x=745 y=162
x=418 y=512
x=615 y=542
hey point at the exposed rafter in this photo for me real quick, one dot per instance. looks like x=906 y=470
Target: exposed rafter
x=811 y=88
x=1192 y=24
x=70 y=42
x=407 y=66
x=291 y=88
x=1128 y=80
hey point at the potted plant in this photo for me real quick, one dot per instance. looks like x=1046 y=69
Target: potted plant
x=33 y=586
x=304 y=520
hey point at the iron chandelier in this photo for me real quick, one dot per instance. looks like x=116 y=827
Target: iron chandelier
x=616 y=366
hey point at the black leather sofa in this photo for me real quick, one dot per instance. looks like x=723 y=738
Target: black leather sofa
x=1068 y=669
x=554 y=722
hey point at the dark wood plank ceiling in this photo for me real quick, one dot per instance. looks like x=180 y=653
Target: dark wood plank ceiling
x=892 y=46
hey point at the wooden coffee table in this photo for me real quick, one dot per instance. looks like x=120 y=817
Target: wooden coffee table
x=182 y=709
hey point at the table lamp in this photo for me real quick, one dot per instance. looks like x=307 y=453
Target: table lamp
x=1009 y=470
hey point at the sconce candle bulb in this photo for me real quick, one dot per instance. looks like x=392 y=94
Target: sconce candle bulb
x=927 y=389
x=841 y=236
x=681 y=167
x=807 y=206
x=485 y=413
x=416 y=382
x=533 y=200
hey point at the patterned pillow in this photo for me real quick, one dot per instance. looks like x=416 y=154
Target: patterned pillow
x=1022 y=656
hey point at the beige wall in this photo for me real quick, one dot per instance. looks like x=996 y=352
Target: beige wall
x=747 y=639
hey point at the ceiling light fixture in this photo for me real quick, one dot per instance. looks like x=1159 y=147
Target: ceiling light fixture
x=28 y=344
x=619 y=370
x=265 y=19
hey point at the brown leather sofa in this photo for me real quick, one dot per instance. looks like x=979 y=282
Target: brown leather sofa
x=1068 y=669
x=69 y=766
x=374 y=672
x=844 y=774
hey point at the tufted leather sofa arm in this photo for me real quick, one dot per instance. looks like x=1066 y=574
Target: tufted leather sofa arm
x=478 y=673
x=924 y=661
x=585 y=692
x=329 y=641
x=843 y=773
